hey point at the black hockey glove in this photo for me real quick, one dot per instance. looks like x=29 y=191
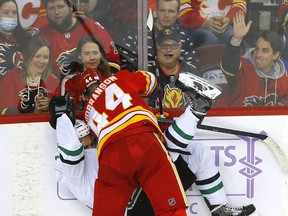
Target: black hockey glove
x=60 y=105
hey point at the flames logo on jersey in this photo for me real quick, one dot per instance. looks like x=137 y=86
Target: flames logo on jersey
x=173 y=97
x=270 y=100
x=207 y=6
x=9 y=57
x=64 y=60
x=28 y=98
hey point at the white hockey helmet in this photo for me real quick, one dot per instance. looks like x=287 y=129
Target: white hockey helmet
x=81 y=128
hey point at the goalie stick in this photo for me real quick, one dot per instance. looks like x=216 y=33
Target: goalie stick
x=274 y=147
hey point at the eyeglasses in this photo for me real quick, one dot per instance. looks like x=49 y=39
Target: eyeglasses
x=172 y=46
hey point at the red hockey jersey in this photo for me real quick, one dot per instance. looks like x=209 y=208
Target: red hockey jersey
x=248 y=85
x=116 y=105
x=64 y=44
x=194 y=12
x=10 y=55
x=16 y=96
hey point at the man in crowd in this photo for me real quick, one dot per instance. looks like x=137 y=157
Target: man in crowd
x=168 y=49
x=259 y=77
x=64 y=31
x=167 y=14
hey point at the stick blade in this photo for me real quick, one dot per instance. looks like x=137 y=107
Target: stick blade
x=150 y=20
x=279 y=154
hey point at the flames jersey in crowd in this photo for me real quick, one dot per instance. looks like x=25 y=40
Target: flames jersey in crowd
x=17 y=96
x=10 y=56
x=116 y=105
x=64 y=44
x=194 y=12
x=249 y=86
x=31 y=15
x=172 y=96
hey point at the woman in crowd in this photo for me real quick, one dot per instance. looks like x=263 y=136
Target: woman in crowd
x=12 y=36
x=29 y=87
x=92 y=56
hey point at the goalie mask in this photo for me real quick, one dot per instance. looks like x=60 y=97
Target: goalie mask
x=82 y=128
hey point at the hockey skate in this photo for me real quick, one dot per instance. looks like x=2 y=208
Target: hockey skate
x=201 y=94
x=226 y=210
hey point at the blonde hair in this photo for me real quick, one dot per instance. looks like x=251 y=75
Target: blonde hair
x=33 y=46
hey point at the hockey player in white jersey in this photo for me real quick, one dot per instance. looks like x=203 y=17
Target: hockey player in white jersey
x=77 y=168
x=76 y=163
x=197 y=157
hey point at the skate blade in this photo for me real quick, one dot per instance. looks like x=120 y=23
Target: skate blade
x=200 y=85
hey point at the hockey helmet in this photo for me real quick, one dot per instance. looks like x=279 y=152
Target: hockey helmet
x=87 y=78
x=82 y=128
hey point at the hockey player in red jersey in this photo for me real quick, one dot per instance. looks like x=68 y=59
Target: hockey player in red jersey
x=87 y=78
x=64 y=31
x=79 y=171
x=195 y=156
x=127 y=144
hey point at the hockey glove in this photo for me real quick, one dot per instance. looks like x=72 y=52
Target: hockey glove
x=60 y=105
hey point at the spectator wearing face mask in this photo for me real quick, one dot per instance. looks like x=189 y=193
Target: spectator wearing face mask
x=12 y=37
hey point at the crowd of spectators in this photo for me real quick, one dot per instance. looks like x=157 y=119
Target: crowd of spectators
x=61 y=24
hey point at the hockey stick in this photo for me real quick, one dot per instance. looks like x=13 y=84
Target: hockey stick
x=274 y=147
x=150 y=25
